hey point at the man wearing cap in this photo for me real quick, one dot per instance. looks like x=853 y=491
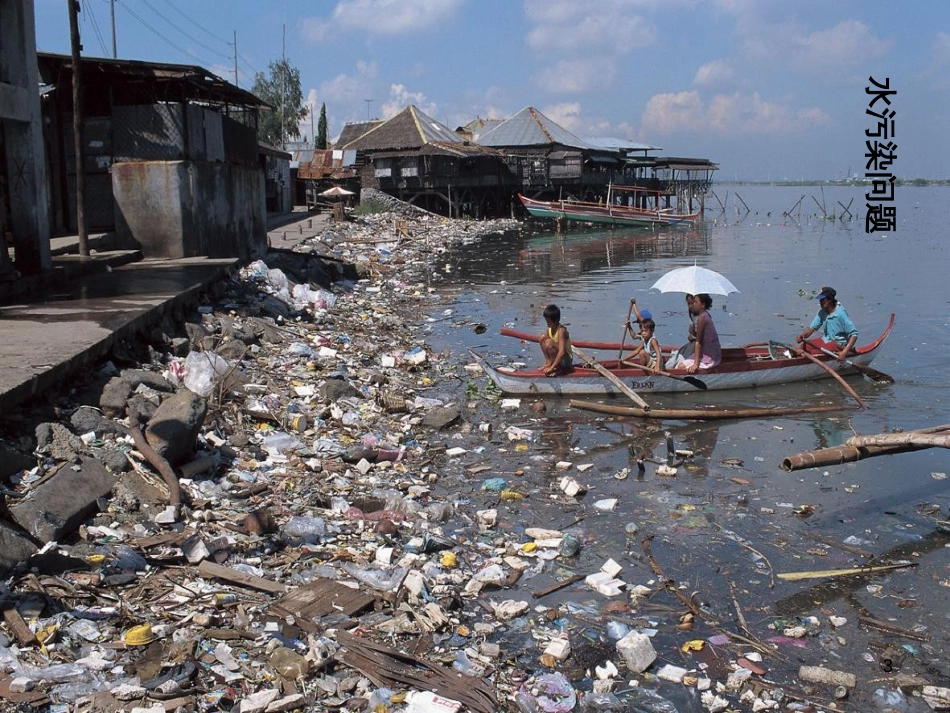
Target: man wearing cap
x=838 y=329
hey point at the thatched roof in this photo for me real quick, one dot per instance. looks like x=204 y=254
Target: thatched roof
x=409 y=129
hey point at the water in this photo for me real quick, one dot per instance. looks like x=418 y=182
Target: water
x=733 y=491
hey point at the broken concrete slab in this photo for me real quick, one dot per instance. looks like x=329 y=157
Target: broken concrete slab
x=14 y=547
x=59 y=503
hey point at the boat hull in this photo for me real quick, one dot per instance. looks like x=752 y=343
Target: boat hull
x=605 y=214
x=742 y=368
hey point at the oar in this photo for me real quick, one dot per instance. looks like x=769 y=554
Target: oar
x=832 y=372
x=612 y=378
x=866 y=370
x=626 y=327
x=692 y=380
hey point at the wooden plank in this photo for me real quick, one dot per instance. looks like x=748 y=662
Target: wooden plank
x=211 y=570
x=321 y=598
x=20 y=629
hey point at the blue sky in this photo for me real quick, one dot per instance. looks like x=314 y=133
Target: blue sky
x=769 y=89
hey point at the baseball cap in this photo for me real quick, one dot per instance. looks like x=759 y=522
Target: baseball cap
x=645 y=314
x=826 y=293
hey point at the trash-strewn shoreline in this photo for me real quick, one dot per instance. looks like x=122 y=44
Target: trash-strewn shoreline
x=333 y=550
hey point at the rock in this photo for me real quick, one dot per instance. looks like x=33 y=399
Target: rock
x=289 y=703
x=60 y=502
x=336 y=389
x=12 y=461
x=14 y=547
x=196 y=333
x=232 y=350
x=441 y=417
x=86 y=418
x=637 y=651
x=59 y=442
x=175 y=426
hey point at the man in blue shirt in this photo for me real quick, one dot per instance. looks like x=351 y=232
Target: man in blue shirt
x=835 y=323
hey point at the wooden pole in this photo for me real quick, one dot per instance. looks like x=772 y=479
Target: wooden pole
x=77 y=128
x=831 y=372
x=612 y=378
x=697 y=414
x=850 y=453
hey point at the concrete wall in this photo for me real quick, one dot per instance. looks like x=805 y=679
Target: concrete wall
x=25 y=167
x=190 y=208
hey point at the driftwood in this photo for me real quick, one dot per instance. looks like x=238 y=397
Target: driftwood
x=698 y=414
x=902 y=443
x=156 y=460
x=847 y=572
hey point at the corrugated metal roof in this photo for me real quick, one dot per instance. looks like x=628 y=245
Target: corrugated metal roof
x=529 y=127
x=610 y=142
x=409 y=129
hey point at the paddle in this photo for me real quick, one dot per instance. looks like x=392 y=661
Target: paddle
x=866 y=370
x=691 y=380
x=612 y=378
x=626 y=327
x=831 y=372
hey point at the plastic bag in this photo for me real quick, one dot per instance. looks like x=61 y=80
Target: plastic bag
x=203 y=370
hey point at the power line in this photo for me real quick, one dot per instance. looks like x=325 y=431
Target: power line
x=157 y=33
x=196 y=24
x=95 y=27
x=186 y=34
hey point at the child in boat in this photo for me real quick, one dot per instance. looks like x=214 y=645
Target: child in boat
x=555 y=344
x=647 y=352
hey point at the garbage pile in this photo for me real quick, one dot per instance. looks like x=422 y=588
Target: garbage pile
x=291 y=506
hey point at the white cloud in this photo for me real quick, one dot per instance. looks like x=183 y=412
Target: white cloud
x=668 y=113
x=567 y=114
x=576 y=75
x=400 y=98
x=587 y=44
x=381 y=17
x=585 y=31
x=727 y=115
x=715 y=73
x=848 y=44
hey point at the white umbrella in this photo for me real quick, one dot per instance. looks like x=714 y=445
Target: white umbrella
x=694 y=280
x=336 y=191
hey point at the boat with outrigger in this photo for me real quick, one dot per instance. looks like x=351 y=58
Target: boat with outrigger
x=749 y=366
x=640 y=214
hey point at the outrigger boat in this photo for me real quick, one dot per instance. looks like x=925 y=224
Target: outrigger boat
x=610 y=212
x=764 y=364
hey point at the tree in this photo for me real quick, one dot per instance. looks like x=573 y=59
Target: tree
x=322 y=128
x=282 y=91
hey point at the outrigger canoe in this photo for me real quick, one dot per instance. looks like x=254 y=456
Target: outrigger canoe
x=765 y=364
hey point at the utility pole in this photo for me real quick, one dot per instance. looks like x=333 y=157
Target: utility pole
x=112 y=9
x=367 y=107
x=77 y=128
x=235 y=60
x=283 y=85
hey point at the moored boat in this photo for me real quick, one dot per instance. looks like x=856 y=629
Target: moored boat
x=741 y=368
x=609 y=212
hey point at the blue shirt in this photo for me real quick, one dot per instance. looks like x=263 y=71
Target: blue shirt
x=838 y=326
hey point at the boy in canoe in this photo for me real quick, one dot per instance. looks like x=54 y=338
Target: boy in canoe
x=555 y=344
x=647 y=352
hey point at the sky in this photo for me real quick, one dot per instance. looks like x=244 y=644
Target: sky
x=767 y=89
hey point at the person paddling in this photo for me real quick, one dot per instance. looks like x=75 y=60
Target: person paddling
x=840 y=334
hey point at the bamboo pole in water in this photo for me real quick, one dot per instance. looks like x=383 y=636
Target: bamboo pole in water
x=698 y=414
x=837 y=455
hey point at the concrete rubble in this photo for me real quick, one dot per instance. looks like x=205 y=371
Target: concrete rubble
x=334 y=548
